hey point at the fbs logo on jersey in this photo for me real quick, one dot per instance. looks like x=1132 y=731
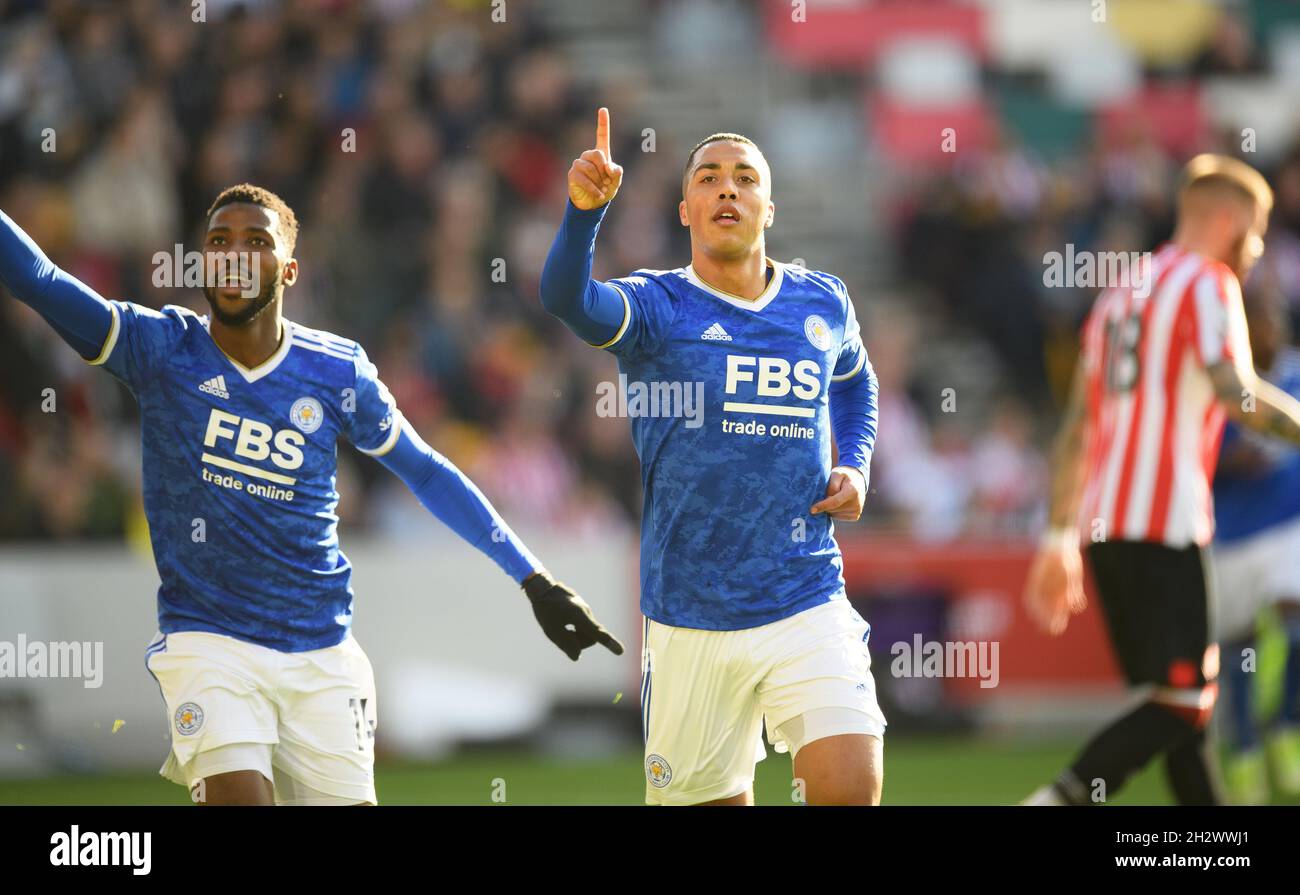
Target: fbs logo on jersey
x=307 y=415
x=658 y=771
x=818 y=333
x=715 y=333
x=253 y=440
x=216 y=386
x=773 y=379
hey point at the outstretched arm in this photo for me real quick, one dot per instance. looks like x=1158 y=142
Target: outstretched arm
x=448 y=494
x=80 y=316
x=595 y=311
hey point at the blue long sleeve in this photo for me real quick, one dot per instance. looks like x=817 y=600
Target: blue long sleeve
x=80 y=316
x=853 y=419
x=448 y=494
x=593 y=310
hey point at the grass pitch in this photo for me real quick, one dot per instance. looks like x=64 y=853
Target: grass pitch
x=917 y=772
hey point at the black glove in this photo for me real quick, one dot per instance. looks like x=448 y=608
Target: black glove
x=565 y=617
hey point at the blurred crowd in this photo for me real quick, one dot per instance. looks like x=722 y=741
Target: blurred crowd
x=972 y=241
x=423 y=147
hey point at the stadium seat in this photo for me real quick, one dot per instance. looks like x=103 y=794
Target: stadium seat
x=848 y=35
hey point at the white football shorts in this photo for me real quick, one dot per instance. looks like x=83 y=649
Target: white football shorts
x=306 y=721
x=1253 y=574
x=705 y=696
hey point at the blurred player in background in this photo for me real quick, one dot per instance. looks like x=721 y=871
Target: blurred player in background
x=1162 y=363
x=1257 y=562
x=742 y=587
x=269 y=697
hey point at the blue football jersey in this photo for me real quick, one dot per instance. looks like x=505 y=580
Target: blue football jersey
x=1246 y=505
x=239 y=471
x=727 y=540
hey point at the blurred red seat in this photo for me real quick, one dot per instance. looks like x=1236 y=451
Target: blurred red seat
x=851 y=35
x=910 y=135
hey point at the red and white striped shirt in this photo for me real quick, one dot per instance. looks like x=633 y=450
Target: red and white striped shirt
x=1154 y=419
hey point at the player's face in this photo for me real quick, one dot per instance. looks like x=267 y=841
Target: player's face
x=244 y=289
x=727 y=200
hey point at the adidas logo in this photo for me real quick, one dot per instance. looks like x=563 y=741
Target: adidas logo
x=716 y=333
x=216 y=386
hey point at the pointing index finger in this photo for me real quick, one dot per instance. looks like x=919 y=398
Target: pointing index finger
x=602 y=132
x=609 y=641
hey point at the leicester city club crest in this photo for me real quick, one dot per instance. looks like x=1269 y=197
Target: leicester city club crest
x=818 y=332
x=658 y=771
x=189 y=718
x=306 y=414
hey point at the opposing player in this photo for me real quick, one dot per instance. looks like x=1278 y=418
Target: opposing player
x=1163 y=362
x=1257 y=563
x=269 y=697
x=742 y=587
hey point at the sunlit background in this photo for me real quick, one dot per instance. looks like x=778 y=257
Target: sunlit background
x=928 y=153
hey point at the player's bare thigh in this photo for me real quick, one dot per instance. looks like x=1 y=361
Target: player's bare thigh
x=847 y=769
x=235 y=788
x=241 y=788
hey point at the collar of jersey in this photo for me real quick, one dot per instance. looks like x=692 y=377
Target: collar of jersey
x=758 y=304
x=265 y=367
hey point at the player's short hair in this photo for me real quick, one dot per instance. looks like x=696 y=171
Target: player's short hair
x=721 y=137
x=256 y=195
x=1226 y=176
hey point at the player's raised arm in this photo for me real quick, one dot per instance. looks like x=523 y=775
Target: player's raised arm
x=76 y=312
x=596 y=312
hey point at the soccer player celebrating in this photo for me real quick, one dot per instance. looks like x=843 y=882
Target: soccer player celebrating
x=269 y=697
x=1257 y=560
x=742 y=587
x=1163 y=362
